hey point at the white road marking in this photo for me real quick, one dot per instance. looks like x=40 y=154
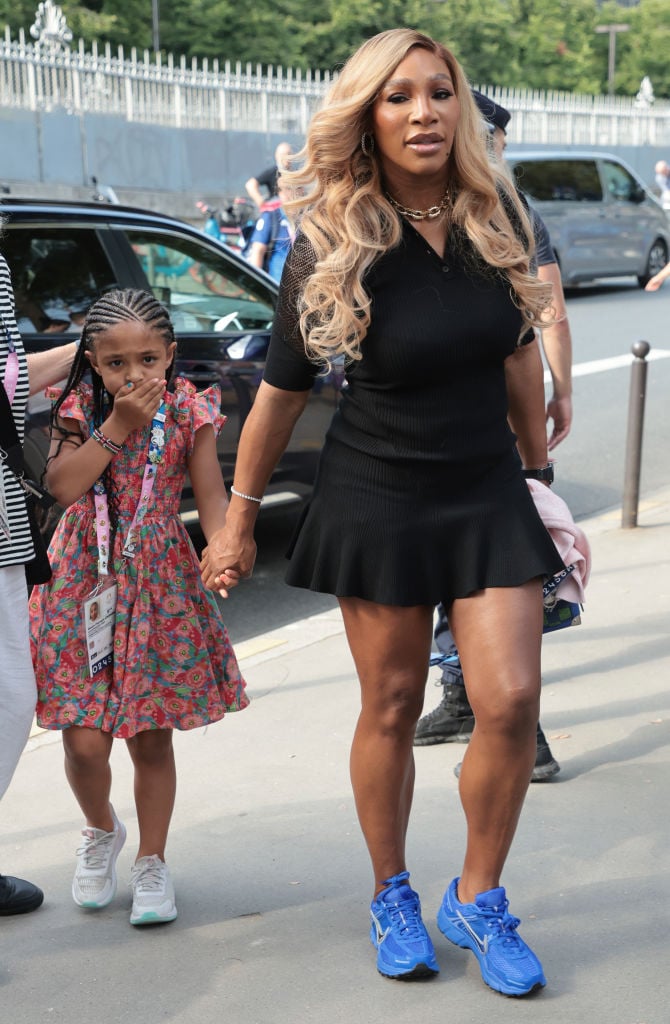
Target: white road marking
x=613 y=363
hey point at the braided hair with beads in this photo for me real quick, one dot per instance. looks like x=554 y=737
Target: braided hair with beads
x=112 y=308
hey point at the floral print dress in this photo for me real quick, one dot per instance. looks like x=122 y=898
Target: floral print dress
x=173 y=666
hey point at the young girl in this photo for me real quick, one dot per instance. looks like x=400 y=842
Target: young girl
x=127 y=643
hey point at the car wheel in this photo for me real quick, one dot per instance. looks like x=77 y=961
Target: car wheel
x=656 y=260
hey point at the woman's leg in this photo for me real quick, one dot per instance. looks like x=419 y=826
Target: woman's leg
x=89 y=774
x=391 y=650
x=155 y=788
x=498 y=633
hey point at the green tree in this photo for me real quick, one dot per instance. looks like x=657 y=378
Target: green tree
x=124 y=23
x=645 y=49
x=481 y=34
x=18 y=14
x=539 y=44
x=556 y=46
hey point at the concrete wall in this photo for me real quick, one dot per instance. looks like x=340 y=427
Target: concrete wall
x=54 y=155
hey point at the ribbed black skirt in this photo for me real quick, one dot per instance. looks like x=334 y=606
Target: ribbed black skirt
x=410 y=532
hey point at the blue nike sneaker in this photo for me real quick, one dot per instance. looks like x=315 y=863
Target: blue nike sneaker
x=486 y=927
x=404 y=949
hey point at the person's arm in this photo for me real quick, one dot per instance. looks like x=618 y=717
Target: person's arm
x=654 y=283
x=257 y=254
x=524 y=377
x=209 y=490
x=74 y=464
x=45 y=368
x=253 y=190
x=259 y=241
x=557 y=345
x=231 y=552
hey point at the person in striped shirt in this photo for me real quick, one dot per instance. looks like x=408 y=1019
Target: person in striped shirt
x=22 y=375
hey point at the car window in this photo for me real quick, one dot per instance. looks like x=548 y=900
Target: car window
x=201 y=287
x=57 y=272
x=621 y=185
x=566 y=180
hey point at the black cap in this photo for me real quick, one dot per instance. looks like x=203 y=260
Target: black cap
x=492 y=112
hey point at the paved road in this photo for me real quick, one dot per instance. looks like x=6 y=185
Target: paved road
x=271 y=872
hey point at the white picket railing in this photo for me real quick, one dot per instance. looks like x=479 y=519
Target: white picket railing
x=178 y=93
x=171 y=93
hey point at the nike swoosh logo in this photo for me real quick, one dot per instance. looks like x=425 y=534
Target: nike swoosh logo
x=483 y=944
x=381 y=935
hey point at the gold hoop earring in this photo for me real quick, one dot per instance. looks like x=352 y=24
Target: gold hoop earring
x=367 y=144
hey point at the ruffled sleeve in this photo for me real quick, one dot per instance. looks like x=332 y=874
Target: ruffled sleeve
x=198 y=408
x=77 y=406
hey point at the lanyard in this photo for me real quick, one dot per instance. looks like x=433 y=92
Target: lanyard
x=154 y=455
x=11 y=375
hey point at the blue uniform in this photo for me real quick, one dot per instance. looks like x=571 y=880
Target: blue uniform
x=273 y=230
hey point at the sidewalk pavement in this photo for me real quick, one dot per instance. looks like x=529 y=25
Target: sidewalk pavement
x=272 y=875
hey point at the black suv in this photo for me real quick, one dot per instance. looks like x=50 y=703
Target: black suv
x=63 y=255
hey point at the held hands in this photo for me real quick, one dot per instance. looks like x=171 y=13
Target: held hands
x=136 y=405
x=226 y=560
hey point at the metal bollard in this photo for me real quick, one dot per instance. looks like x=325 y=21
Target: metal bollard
x=638 y=390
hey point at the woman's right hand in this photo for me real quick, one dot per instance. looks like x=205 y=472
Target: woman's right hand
x=228 y=558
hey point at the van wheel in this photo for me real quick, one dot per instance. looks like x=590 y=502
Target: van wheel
x=656 y=260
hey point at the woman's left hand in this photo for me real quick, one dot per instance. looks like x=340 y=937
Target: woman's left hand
x=226 y=560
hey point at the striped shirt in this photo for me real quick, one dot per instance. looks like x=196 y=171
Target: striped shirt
x=20 y=549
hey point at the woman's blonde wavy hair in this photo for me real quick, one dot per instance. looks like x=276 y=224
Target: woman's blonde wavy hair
x=341 y=209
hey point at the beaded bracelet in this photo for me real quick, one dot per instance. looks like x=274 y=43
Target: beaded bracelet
x=249 y=497
x=106 y=442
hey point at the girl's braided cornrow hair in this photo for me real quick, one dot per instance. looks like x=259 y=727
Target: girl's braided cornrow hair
x=110 y=309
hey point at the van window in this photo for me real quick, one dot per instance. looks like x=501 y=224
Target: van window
x=621 y=185
x=575 y=181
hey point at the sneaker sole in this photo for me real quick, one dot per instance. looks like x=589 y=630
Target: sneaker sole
x=544 y=772
x=419 y=973
x=24 y=907
x=96 y=904
x=456 y=936
x=153 y=917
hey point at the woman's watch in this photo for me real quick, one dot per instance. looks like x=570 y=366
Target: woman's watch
x=545 y=473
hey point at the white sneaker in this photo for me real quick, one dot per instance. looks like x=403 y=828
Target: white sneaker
x=94 y=882
x=153 y=892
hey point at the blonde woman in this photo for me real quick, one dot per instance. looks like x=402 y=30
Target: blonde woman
x=411 y=263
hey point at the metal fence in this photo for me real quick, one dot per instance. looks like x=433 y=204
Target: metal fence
x=172 y=93
x=177 y=93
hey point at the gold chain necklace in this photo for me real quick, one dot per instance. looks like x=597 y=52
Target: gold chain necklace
x=430 y=214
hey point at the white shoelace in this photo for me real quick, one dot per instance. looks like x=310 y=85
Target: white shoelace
x=96 y=850
x=149 y=877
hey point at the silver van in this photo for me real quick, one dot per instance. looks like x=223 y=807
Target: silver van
x=602 y=219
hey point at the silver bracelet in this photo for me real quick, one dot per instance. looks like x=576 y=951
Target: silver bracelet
x=249 y=497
